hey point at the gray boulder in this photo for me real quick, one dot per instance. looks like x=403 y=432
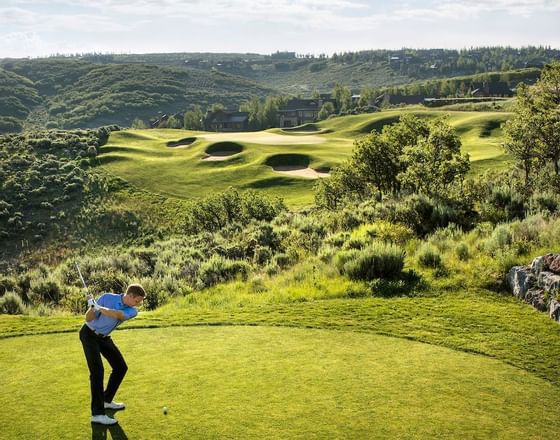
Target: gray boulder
x=554 y=310
x=549 y=281
x=538 y=265
x=538 y=284
x=520 y=279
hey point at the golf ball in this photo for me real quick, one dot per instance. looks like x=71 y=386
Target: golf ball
x=165 y=410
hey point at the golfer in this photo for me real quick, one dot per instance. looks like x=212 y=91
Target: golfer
x=102 y=318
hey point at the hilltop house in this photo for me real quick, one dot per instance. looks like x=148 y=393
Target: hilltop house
x=302 y=111
x=222 y=120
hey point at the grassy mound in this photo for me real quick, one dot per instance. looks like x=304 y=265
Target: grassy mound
x=224 y=149
x=181 y=142
x=261 y=382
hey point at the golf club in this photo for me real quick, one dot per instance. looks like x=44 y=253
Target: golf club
x=81 y=277
x=91 y=301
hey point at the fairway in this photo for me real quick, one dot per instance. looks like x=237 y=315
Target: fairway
x=158 y=160
x=272 y=382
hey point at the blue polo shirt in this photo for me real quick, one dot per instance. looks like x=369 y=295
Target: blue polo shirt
x=105 y=324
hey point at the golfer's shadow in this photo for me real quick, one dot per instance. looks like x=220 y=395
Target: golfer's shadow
x=99 y=432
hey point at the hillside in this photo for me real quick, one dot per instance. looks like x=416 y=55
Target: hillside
x=82 y=94
x=18 y=96
x=295 y=74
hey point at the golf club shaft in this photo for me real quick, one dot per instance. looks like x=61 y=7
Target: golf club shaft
x=81 y=277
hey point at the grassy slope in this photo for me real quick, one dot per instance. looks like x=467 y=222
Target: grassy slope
x=18 y=96
x=82 y=94
x=142 y=157
x=275 y=383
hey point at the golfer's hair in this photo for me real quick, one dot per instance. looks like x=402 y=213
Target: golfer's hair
x=135 y=290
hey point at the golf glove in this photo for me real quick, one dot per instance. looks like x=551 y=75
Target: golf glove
x=91 y=302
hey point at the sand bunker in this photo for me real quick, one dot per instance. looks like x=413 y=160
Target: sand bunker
x=222 y=150
x=219 y=155
x=299 y=171
x=181 y=142
x=264 y=138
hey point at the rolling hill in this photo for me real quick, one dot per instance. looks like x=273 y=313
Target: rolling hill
x=273 y=161
x=77 y=93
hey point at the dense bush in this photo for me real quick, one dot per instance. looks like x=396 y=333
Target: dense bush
x=376 y=261
x=500 y=239
x=218 y=269
x=384 y=231
x=429 y=256
x=12 y=304
x=462 y=251
x=220 y=210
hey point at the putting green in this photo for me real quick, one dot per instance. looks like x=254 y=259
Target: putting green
x=263 y=382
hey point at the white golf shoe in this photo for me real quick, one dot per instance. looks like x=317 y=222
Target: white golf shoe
x=113 y=405
x=103 y=420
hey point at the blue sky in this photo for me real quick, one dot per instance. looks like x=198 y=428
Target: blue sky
x=44 y=27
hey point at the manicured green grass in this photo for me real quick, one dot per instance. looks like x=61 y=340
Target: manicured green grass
x=143 y=157
x=262 y=382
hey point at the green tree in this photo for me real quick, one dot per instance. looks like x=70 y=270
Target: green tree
x=435 y=162
x=327 y=109
x=254 y=108
x=343 y=97
x=376 y=162
x=535 y=126
x=194 y=118
x=269 y=112
x=138 y=123
x=173 y=122
x=520 y=141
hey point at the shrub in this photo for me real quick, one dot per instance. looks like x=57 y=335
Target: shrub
x=462 y=251
x=376 y=261
x=500 y=239
x=258 y=284
x=336 y=239
x=262 y=255
x=12 y=304
x=7 y=284
x=73 y=299
x=385 y=231
x=529 y=229
x=45 y=290
x=107 y=280
x=282 y=260
x=357 y=243
x=218 y=269
x=341 y=258
x=154 y=299
x=429 y=256
x=544 y=202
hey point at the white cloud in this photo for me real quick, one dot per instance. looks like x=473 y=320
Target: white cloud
x=270 y=25
x=459 y=9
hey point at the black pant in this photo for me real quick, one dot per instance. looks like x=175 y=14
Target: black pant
x=94 y=347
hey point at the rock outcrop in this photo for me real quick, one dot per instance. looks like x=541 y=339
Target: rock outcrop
x=538 y=284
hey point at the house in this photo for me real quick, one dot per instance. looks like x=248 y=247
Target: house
x=222 y=120
x=302 y=111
